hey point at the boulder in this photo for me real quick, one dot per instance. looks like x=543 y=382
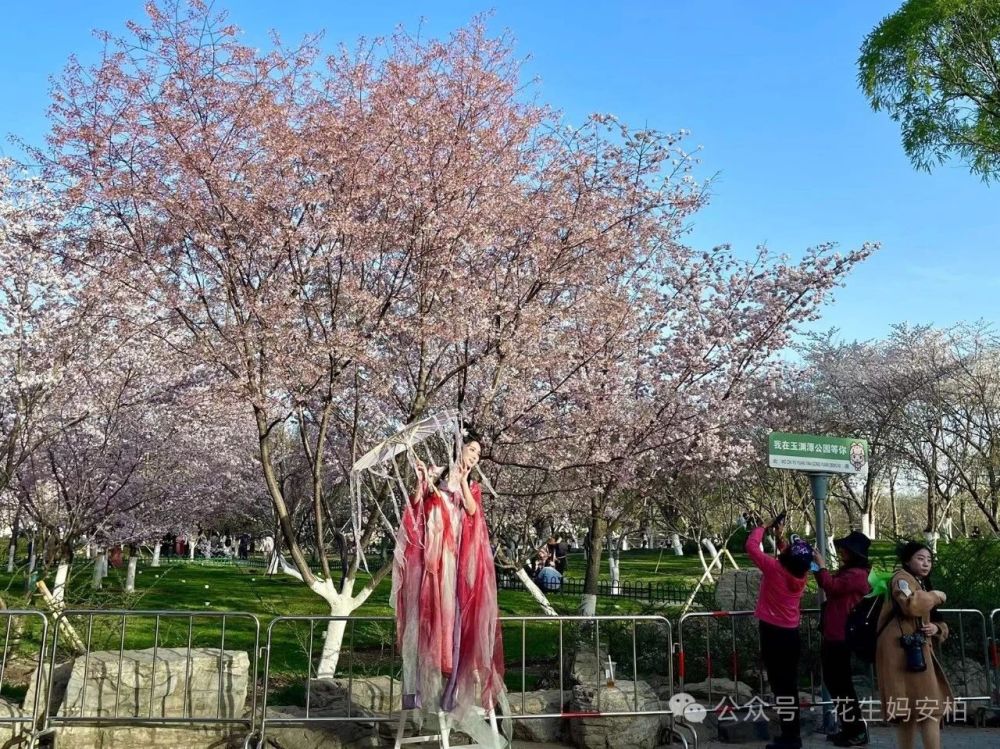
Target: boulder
x=101 y=686
x=132 y=683
x=588 y=667
x=737 y=590
x=340 y=735
x=61 y=680
x=542 y=730
x=720 y=689
x=968 y=677
x=374 y=694
x=597 y=732
x=10 y=711
x=149 y=737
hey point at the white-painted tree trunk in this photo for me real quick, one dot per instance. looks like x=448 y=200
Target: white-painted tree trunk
x=11 y=554
x=59 y=586
x=274 y=564
x=624 y=543
x=615 y=573
x=98 y=573
x=716 y=562
x=191 y=548
x=156 y=556
x=770 y=543
x=588 y=604
x=535 y=591
x=675 y=541
x=868 y=525
x=947 y=530
x=130 y=575
x=931 y=537
x=333 y=642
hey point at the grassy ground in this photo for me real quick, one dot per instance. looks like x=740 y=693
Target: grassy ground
x=210 y=589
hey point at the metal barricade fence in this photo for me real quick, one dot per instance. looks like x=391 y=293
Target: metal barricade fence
x=961 y=655
x=540 y=652
x=170 y=645
x=995 y=654
x=973 y=654
x=737 y=662
x=26 y=632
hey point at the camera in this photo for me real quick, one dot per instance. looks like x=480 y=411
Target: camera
x=913 y=647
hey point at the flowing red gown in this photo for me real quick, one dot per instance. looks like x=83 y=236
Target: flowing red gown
x=444 y=591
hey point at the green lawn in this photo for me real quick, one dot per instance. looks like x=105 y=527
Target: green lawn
x=224 y=587
x=220 y=587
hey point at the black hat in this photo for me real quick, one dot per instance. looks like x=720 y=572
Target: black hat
x=855 y=542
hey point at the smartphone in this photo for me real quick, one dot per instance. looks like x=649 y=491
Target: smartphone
x=780 y=518
x=813 y=567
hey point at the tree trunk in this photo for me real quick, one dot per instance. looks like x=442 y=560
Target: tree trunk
x=715 y=562
x=98 y=572
x=892 y=507
x=931 y=508
x=12 y=549
x=535 y=591
x=613 y=567
x=598 y=532
x=931 y=539
x=59 y=586
x=868 y=523
x=32 y=557
x=156 y=555
x=130 y=575
x=675 y=541
x=191 y=547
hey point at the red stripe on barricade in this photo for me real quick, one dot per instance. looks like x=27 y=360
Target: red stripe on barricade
x=680 y=663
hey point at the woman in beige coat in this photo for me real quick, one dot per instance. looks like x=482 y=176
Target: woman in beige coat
x=913 y=700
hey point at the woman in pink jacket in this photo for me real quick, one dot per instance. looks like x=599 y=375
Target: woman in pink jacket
x=781 y=588
x=843 y=589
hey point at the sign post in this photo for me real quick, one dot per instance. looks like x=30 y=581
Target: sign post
x=818 y=456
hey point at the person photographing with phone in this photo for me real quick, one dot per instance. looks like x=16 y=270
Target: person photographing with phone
x=843 y=589
x=782 y=584
x=914 y=691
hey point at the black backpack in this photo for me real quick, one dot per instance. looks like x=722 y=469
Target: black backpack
x=862 y=627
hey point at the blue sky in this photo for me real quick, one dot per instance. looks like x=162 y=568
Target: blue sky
x=767 y=89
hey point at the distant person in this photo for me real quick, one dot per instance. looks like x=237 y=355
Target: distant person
x=117 y=557
x=245 y=546
x=562 y=552
x=541 y=558
x=781 y=587
x=548 y=578
x=976 y=532
x=844 y=589
x=588 y=545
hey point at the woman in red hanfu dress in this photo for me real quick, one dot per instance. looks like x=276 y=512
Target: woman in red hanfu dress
x=444 y=591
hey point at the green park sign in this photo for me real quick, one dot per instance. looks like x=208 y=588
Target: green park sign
x=816 y=453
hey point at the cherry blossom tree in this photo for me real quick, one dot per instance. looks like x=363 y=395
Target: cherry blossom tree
x=353 y=240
